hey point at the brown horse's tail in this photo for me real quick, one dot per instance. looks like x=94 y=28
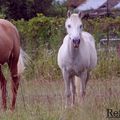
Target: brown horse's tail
x=23 y=61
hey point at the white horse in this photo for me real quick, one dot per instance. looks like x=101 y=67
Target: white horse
x=76 y=57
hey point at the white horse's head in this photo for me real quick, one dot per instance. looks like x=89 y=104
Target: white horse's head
x=74 y=28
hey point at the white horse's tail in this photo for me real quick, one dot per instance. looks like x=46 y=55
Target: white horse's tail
x=23 y=61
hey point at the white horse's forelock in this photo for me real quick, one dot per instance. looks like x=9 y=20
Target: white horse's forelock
x=76 y=61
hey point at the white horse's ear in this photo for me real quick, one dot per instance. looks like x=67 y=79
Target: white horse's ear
x=69 y=13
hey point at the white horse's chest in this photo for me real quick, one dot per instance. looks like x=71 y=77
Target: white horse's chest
x=76 y=65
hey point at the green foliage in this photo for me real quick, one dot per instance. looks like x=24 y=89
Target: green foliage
x=2 y=15
x=41 y=37
x=57 y=10
x=100 y=26
x=40 y=31
x=108 y=64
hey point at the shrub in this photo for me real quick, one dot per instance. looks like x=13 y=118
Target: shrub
x=41 y=37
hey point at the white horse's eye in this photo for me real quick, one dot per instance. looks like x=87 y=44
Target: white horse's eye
x=81 y=26
x=69 y=26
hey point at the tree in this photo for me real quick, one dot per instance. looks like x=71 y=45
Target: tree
x=17 y=9
x=42 y=6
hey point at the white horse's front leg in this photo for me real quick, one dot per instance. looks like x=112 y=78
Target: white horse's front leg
x=66 y=78
x=84 y=79
x=73 y=89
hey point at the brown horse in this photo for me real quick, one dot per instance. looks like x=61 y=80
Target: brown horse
x=12 y=54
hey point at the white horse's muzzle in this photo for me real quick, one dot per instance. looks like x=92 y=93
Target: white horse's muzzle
x=76 y=43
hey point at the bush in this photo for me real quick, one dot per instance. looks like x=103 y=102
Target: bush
x=41 y=37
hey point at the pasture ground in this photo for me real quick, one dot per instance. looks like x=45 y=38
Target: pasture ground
x=43 y=100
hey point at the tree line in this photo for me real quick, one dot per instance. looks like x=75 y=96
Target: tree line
x=26 y=9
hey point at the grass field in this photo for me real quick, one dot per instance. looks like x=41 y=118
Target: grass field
x=43 y=100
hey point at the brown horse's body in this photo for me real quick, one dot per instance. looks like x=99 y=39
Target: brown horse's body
x=9 y=53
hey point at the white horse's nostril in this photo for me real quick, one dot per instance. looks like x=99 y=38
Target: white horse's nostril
x=76 y=41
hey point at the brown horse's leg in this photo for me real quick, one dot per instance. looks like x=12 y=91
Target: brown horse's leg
x=14 y=83
x=3 y=88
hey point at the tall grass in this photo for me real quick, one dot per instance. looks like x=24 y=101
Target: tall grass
x=45 y=101
x=108 y=63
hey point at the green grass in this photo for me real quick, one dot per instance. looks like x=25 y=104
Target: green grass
x=41 y=92
x=44 y=100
